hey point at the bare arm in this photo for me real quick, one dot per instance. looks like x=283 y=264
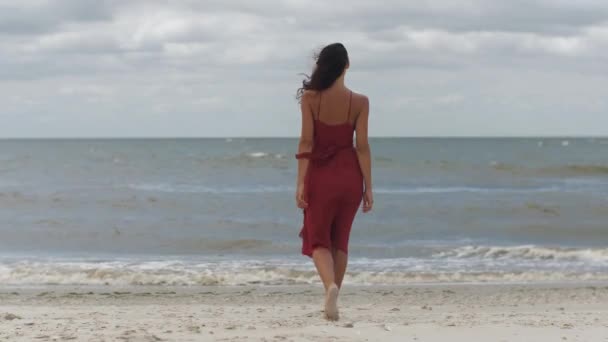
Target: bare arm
x=305 y=145
x=364 y=155
x=362 y=145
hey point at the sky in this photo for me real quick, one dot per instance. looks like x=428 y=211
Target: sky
x=228 y=68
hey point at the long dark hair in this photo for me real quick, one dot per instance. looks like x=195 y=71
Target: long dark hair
x=331 y=62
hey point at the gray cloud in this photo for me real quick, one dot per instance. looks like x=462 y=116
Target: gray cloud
x=35 y=17
x=164 y=68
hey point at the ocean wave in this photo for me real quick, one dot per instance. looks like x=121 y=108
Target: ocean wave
x=238 y=245
x=242 y=159
x=590 y=170
x=529 y=252
x=554 y=171
x=9 y=184
x=197 y=188
x=264 y=155
x=177 y=273
x=257 y=154
x=461 y=189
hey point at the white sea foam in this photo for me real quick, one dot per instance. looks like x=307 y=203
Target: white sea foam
x=529 y=252
x=257 y=154
x=187 y=273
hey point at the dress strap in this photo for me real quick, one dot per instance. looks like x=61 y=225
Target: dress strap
x=350 y=101
x=319 y=106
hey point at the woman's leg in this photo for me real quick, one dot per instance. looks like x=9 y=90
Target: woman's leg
x=340 y=236
x=340 y=263
x=325 y=266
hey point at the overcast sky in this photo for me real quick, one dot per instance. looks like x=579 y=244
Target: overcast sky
x=80 y=68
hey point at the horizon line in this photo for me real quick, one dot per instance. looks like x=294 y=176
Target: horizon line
x=296 y=137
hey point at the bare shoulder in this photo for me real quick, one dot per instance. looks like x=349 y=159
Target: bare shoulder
x=361 y=100
x=309 y=95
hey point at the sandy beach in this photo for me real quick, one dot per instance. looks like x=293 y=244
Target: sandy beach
x=548 y=312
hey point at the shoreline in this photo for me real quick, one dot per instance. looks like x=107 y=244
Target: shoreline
x=440 y=312
x=562 y=284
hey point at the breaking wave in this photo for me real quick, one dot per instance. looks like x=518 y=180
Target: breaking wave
x=571 y=170
x=530 y=252
x=448 y=267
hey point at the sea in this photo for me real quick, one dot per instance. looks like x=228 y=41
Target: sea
x=200 y=212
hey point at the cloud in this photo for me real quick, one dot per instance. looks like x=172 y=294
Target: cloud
x=217 y=62
x=35 y=17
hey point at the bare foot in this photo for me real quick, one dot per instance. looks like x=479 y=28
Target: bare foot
x=331 y=303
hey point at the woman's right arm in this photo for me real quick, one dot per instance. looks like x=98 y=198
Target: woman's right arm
x=305 y=146
x=364 y=155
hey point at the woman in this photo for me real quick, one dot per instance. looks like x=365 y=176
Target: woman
x=333 y=175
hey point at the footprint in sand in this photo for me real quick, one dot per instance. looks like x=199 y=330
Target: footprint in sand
x=10 y=317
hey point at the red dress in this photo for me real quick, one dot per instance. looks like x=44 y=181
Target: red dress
x=334 y=186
